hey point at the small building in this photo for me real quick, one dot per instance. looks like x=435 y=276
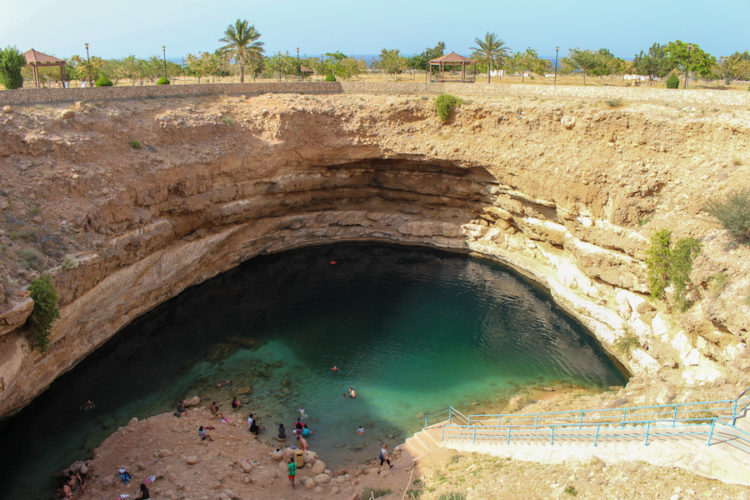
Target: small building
x=447 y=68
x=35 y=59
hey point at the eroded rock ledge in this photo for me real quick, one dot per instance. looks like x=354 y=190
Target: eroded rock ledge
x=567 y=193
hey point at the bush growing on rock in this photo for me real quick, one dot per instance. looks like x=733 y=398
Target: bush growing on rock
x=734 y=213
x=162 y=81
x=330 y=78
x=103 y=81
x=444 y=105
x=671 y=265
x=45 y=311
x=673 y=82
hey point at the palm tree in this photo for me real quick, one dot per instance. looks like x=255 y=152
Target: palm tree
x=241 y=44
x=492 y=49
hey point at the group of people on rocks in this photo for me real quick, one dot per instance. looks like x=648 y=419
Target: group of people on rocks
x=74 y=482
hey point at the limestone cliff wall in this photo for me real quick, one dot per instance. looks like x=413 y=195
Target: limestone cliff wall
x=568 y=194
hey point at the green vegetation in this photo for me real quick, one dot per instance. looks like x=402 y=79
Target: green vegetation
x=70 y=262
x=615 y=103
x=163 y=81
x=734 y=213
x=31 y=258
x=627 y=342
x=658 y=262
x=371 y=493
x=241 y=44
x=453 y=496
x=673 y=82
x=599 y=63
x=444 y=104
x=717 y=283
x=492 y=49
x=45 y=312
x=227 y=120
x=103 y=81
x=11 y=62
x=680 y=265
x=671 y=265
x=391 y=62
x=571 y=490
x=135 y=144
x=528 y=61
x=330 y=78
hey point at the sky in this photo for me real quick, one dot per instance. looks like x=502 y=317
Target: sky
x=115 y=29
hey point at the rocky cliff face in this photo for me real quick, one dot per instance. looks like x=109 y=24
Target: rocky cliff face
x=569 y=193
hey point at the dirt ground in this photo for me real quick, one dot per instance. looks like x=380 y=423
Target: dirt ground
x=236 y=465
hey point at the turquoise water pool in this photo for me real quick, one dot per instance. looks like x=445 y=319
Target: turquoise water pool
x=412 y=330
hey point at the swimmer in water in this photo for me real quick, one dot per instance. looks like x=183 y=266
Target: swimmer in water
x=361 y=429
x=88 y=405
x=335 y=369
x=352 y=393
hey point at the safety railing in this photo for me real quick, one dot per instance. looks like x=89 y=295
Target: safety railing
x=704 y=420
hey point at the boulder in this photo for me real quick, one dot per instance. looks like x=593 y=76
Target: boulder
x=191 y=460
x=568 y=121
x=309 y=483
x=310 y=456
x=67 y=114
x=246 y=467
x=7 y=109
x=318 y=467
x=165 y=453
x=322 y=479
x=277 y=456
x=194 y=401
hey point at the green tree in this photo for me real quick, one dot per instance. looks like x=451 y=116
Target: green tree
x=680 y=56
x=528 y=61
x=653 y=64
x=735 y=67
x=11 y=62
x=657 y=262
x=391 y=61
x=242 y=44
x=45 y=311
x=585 y=61
x=680 y=266
x=422 y=61
x=492 y=49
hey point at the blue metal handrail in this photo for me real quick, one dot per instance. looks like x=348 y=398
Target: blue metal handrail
x=685 y=419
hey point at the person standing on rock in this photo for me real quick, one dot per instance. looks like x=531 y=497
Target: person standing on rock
x=384 y=457
x=292 y=471
x=302 y=443
x=145 y=495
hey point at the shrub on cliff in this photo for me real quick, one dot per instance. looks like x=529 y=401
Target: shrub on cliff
x=444 y=105
x=45 y=311
x=673 y=82
x=103 y=81
x=162 y=81
x=330 y=78
x=671 y=265
x=11 y=62
x=734 y=213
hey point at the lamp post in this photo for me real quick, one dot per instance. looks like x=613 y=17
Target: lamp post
x=88 y=63
x=687 y=64
x=299 y=68
x=557 y=49
x=164 y=52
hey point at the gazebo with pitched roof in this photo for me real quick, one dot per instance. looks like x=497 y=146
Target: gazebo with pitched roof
x=34 y=58
x=452 y=59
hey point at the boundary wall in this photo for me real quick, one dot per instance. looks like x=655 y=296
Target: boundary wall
x=635 y=94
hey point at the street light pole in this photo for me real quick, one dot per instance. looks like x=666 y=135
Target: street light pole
x=164 y=51
x=299 y=68
x=557 y=49
x=687 y=64
x=88 y=63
